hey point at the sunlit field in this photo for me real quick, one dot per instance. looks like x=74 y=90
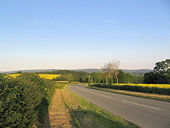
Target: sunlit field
x=145 y=88
x=48 y=76
x=14 y=75
x=44 y=76
x=146 y=85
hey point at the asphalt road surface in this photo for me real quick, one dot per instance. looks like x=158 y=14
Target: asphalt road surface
x=146 y=113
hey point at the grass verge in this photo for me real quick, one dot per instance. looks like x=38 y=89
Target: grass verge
x=62 y=85
x=137 y=94
x=88 y=115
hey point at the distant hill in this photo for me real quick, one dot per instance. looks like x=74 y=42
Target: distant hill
x=137 y=71
x=89 y=70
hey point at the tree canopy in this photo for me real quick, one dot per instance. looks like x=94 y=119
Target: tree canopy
x=160 y=73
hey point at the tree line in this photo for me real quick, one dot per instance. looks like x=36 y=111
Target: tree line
x=108 y=74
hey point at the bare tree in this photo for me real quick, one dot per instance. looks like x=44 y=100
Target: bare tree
x=111 y=70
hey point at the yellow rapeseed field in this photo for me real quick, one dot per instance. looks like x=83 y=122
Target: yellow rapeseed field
x=49 y=76
x=147 y=85
x=44 y=76
x=14 y=75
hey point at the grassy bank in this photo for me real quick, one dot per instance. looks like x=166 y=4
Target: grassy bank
x=88 y=115
x=69 y=110
x=137 y=94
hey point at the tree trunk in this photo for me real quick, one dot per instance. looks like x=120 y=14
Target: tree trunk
x=106 y=80
x=117 y=81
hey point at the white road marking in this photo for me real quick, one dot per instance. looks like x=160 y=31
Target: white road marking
x=106 y=96
x=84 y=90
x=122 y=100
x=140 y=104
x=96 y=93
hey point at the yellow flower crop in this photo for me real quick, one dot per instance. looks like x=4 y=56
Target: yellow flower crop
x=44 y=76
x=147 y=85
x=14 y=75
x=48 y=76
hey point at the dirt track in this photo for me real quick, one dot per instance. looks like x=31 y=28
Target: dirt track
x=59 y=115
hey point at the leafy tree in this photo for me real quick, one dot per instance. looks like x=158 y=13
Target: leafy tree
x=160 y=74
x=162 y=67
x=111 y=70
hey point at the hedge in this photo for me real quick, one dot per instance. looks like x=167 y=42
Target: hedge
x=22 y=100
x=156 y=90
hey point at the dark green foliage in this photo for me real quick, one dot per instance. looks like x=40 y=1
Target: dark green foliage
x=98 y=77
x=155 y=90
x=163 y=66
x=21 y=100
x=160 y=74
x=156 y=78
x=95 y=77
x=47 y=88
x=61 y=78
x=68 y=75
x=129 y=78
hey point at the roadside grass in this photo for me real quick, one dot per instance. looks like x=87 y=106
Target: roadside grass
x=88 y=115
x=56 y=114
x=62 y=85
x=83 y=113
x=137 y=94
x=45 y=107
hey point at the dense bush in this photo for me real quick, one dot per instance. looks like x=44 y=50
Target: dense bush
x=156 y=78
x=22 y=99
x=145 y=89
x=160 y=73
x=47 y=87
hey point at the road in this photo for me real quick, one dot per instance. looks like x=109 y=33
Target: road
x=146 y=113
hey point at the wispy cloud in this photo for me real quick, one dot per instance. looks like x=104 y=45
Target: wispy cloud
x=110 y=21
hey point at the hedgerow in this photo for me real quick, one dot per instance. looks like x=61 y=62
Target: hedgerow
x=23 y=99
x=145 y=89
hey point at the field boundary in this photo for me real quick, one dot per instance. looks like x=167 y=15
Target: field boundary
x=130 y=93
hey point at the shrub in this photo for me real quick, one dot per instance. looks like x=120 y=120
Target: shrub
x=22 y=99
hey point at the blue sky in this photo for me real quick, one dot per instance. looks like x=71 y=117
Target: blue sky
x=41 y=34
